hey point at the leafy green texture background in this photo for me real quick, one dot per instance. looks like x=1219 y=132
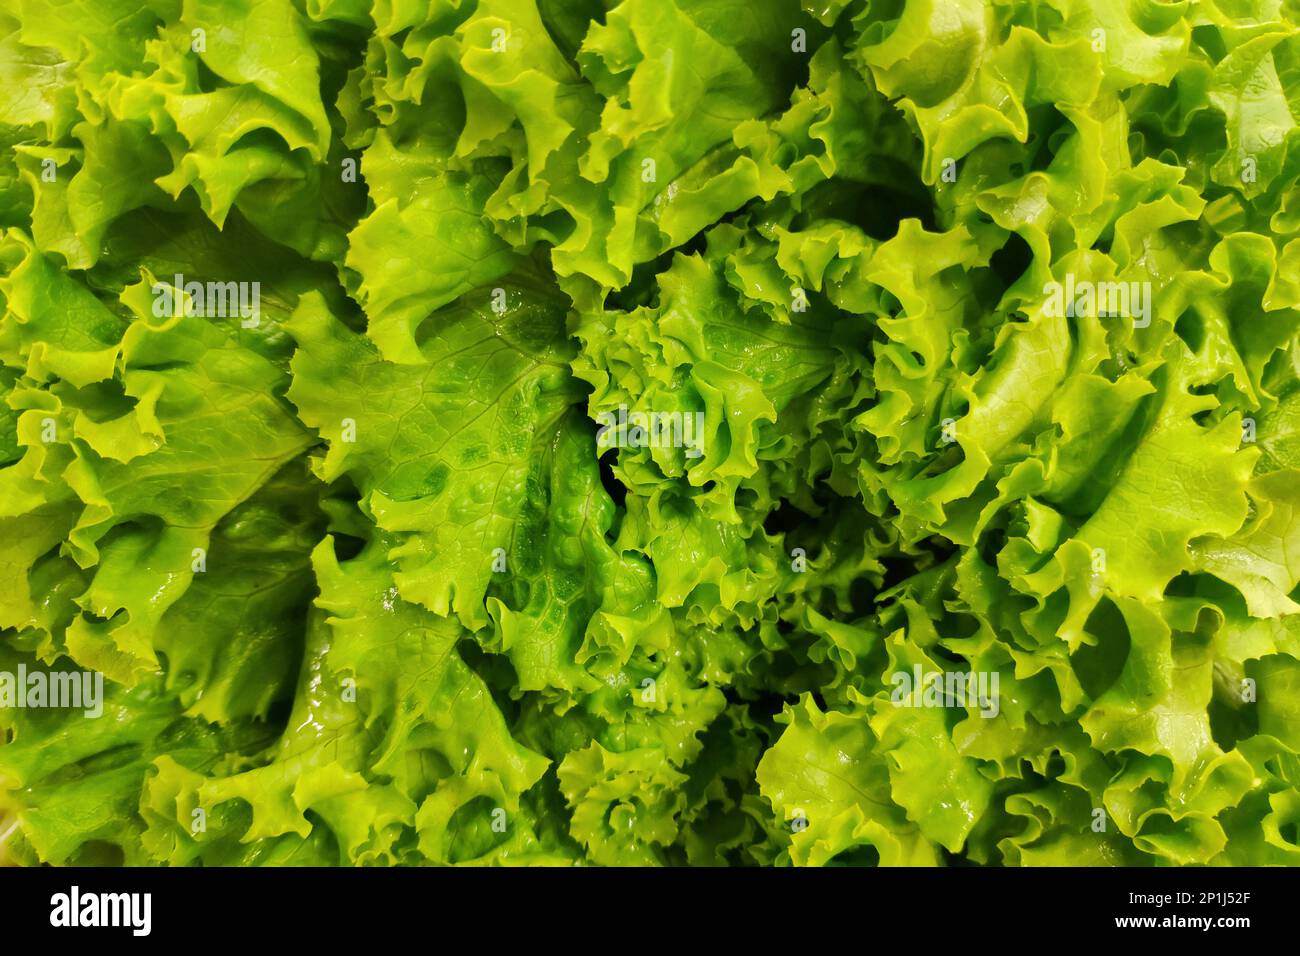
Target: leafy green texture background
x=436 y=624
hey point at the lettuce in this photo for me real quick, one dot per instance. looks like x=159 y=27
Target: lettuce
x=649 y=432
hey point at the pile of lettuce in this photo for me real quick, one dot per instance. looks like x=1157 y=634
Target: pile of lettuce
x=368 y=583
